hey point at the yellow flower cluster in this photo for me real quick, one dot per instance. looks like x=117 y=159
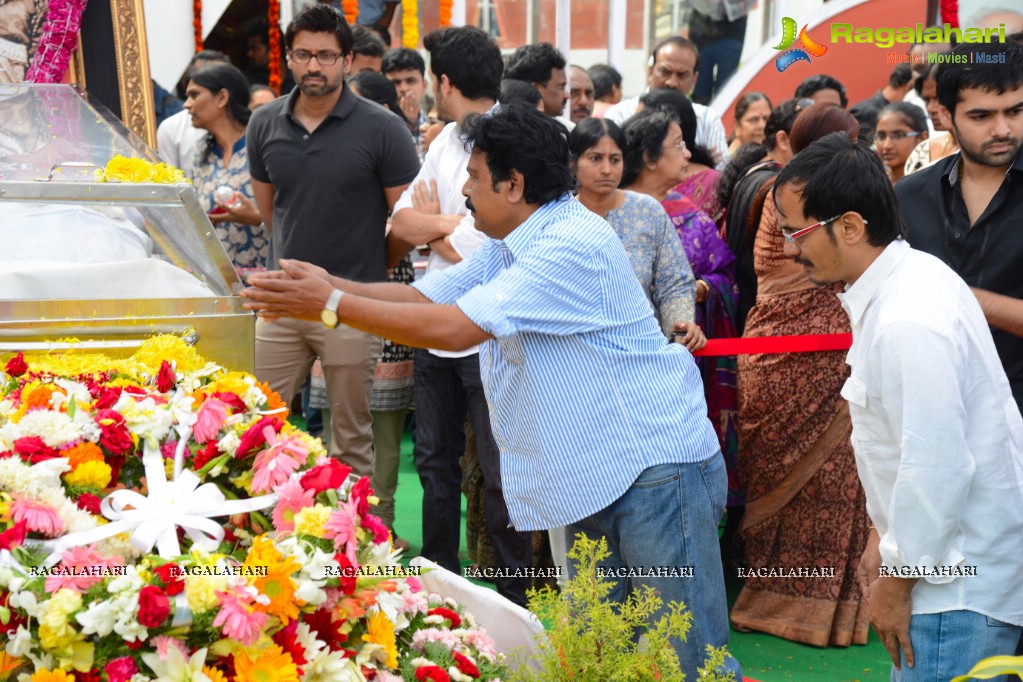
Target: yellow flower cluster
x=123 y=169
x=410 y=24
x=380 y=631
x=90 y=475
x=310 y=520
x=58 y=637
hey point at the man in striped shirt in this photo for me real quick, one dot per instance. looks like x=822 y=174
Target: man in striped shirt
x=602 y=425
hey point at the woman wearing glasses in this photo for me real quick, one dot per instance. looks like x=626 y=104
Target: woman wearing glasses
x=655 y=161
x=804 y=504
x=900 y=126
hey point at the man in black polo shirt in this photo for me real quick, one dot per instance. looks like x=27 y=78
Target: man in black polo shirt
x=967 y=209
x=326 y=169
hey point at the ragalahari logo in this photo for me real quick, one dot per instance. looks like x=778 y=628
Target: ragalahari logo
x=788 y=37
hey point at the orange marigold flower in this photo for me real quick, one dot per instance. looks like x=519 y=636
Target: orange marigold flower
x=82 y=452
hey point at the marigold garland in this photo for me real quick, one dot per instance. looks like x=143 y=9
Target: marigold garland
x=123 y=169
x=59 y=39
x=410 y=24
x=197 y=23
x=351 y=10
x=950 y=12
x=273 y=17
x=445 y=12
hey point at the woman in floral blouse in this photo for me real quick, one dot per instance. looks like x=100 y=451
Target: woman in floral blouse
x=218 y=101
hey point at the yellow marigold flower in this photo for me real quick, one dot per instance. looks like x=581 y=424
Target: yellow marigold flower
x=123 y=169
x=272 y=665
x=90 y=475
x=82 y=452
x=214 y=674
x=310 y=520
x=380 y=631
x=52 y=676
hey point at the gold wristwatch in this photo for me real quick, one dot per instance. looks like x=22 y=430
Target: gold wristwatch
x=328 y=316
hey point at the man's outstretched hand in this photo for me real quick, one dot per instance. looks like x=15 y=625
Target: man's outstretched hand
x=298 y=290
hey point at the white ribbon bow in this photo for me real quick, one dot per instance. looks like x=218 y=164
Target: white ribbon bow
x=153 y=519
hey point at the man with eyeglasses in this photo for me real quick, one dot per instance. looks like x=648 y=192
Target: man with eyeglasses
x=326 y=170
x=673 y=65
x=937 y=436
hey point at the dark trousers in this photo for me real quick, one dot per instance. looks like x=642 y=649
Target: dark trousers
x=446 y=390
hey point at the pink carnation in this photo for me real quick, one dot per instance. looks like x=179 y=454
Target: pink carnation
x=237 y=620
x=414 y=584
x=292 y=499
x=413 y=603
x=164 y=644
x=480 y=640
x=423 y=637
x=82 y=561
x=209 y=419
x=121 y=669
x=38 y=517
x=374 y=525
x=274 y=465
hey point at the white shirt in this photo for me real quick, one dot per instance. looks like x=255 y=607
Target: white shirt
x=710 y=131
x=937 y=435
x=177 y=139
x=445 y=163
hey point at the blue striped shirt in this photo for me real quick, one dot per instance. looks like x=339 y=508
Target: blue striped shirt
x=584 y=390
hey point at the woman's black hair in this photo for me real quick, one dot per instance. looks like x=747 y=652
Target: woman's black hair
x=514 y=90
x=644 y=141
x=376 y=88
x=678 y=104
x=217 y=77
x=911 y=115
x=748 y=100
x=518 y=137
x=590 y=132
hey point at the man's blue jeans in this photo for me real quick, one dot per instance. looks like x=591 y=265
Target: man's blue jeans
x=948 y=644
x=669 y=518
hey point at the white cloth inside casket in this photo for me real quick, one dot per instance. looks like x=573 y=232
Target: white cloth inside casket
x=71 y=252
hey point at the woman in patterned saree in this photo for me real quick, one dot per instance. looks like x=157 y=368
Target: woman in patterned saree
x=218 y=101
x=804 y=505
x=655 y=158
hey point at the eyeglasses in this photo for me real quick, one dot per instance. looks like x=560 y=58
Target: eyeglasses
x=324 y=57
x=897 y=136
x=680 y=147
x=791 y=237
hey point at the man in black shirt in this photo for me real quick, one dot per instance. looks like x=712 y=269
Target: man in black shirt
x=967 y=209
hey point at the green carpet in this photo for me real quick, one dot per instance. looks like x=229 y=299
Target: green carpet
x=763 y=657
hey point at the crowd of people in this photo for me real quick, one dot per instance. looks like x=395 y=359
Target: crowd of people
x=580 y=247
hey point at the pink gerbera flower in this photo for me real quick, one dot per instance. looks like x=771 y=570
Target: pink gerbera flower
x=342 y=527
x=237 y=619
x=87 y=568
x=209 y=419
x=275 y=464
x=292 y=499
x=38 y=517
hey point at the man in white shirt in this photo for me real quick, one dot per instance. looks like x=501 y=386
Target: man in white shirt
x=467 y=66
x=673 y=65
x=937 y=435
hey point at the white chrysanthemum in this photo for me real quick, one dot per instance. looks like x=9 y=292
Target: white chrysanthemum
x=332 y=667
x=55 y=428
x=457 y=675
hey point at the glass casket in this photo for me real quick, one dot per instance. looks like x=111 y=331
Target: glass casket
x=105 y=263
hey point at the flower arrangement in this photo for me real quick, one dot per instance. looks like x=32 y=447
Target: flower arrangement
x=103 y=461
x=410 y=24
x=58 y=41
x=444 y=9
x=123 y=169
x=350 y=8
x=273 y=17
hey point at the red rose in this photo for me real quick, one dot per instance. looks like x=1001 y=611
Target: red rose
x=33 y=450
x=88 y=502
x=121 y=669
x=432 y=672
x=154 y=606
x=170 y=574
x=455 y=619
x=165 y=378
x=114 y=435
x=16 y=366
x=106 y=397
x=360 y=491
x=253 y=440
x=231 y=400
x=466 y=666
x=327 y=476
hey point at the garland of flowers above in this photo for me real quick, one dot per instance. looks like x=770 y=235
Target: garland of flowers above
x=58 y=41
x=273 y=17
x=197 y=23
x=351 y=10
x=123 y=169
x=445 y=12
x=950 y=12
x=410 y=24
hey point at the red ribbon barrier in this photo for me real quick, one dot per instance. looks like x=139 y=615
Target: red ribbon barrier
x=764 y=345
